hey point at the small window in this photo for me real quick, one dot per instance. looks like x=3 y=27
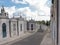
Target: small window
x=5 y=14
x=21 y=27
x=14 y=27
x=27 y=26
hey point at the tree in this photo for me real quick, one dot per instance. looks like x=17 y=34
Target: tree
x=42 y=22
x=48 y=23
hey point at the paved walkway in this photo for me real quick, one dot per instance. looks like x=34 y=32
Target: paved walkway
x=34 y=39
x=22 y=37
x=47 y=40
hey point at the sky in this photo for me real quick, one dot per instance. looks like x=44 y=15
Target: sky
x=30 y=9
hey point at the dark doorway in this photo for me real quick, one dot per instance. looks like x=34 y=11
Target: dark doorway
x=31 y=26
x=4 y=30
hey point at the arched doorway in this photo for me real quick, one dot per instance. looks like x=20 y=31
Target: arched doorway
x=4 y=30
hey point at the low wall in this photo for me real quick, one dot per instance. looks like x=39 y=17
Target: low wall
x=44 y=27
x=4 y=41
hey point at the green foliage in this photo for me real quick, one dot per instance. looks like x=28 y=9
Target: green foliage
x=43 y=22
x=48 y=23
x=40 y=22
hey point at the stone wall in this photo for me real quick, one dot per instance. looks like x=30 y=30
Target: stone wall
x=44 y=27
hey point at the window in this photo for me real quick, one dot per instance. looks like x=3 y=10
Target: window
x=27 y=26
x=21 y=27
x=31 y=26
x=14 y=27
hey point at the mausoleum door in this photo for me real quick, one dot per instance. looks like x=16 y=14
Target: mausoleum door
x=31 y=26
x=4 y=30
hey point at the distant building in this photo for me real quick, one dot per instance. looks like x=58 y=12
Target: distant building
x=13 y=27
x=31 y=25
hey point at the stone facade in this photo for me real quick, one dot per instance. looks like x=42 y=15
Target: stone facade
x=31 y=25
x=54 y=23
x=13 y=27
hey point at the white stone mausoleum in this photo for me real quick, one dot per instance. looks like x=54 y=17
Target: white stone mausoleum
x=14 y=27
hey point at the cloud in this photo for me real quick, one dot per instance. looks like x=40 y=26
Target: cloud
x=19 y=1
x=34 y=15
x=10 y=10
x=0 y=9
x=41 y=8
x=38 y=6
x=26 y=11
x=48 y=3
x=35 y=2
